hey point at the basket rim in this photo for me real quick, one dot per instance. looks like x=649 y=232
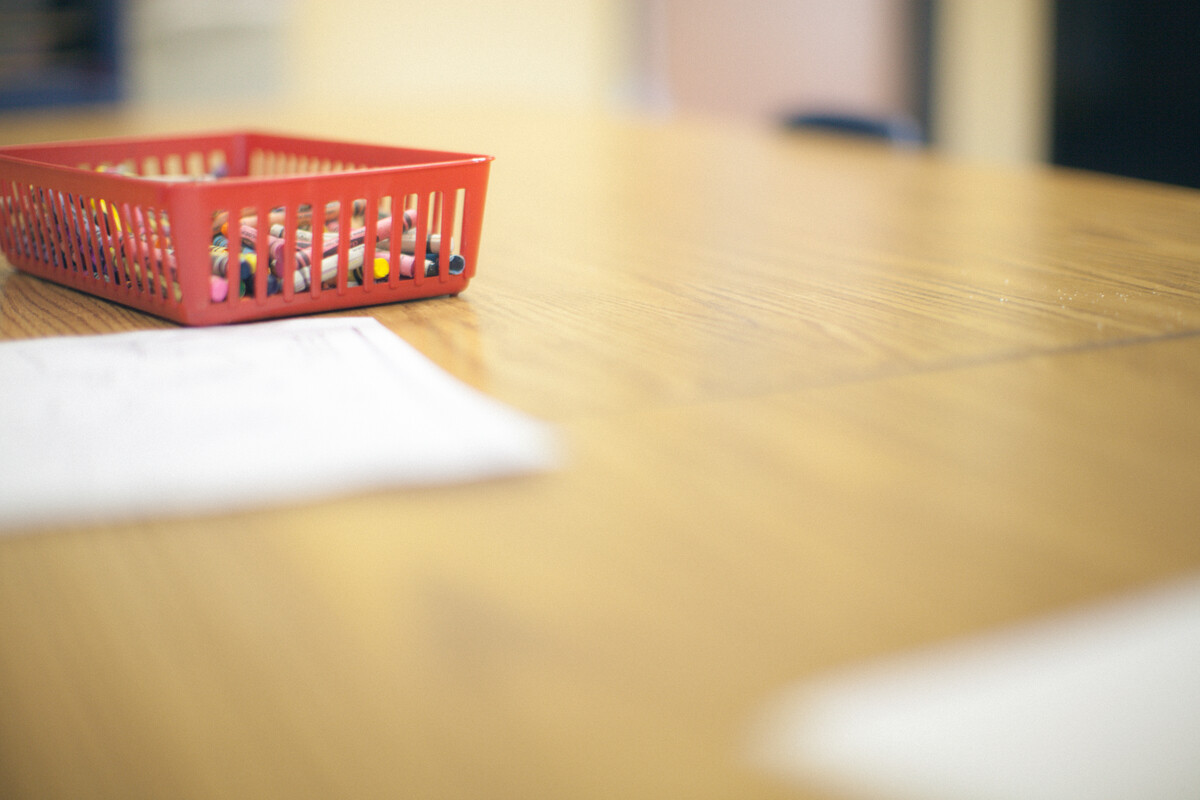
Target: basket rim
x=243 y=141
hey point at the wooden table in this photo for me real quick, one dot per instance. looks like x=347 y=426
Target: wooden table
x=823 y=401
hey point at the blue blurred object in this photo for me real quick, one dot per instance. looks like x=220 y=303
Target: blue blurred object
x=898 y=130
x=59 y=52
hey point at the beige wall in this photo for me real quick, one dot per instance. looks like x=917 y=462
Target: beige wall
x=993 y=83
x=542 y=51
x=571 y=52
x=757 y=58
x=738 y=57
x=742 y=58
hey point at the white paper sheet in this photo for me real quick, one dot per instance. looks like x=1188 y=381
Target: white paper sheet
x=154 y=423
x=1099 y=704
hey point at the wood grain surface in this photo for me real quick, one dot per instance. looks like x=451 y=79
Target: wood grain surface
x=822 y=401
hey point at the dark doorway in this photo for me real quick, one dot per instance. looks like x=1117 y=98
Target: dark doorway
x=1127 y=88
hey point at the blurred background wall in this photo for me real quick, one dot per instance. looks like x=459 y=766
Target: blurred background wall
x=1081 y=82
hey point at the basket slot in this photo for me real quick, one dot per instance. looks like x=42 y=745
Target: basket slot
x=122 y=244
x=127 y=274
x=74 y=234
x=152 y=253
x=49 y=215
x=140 y=252
x=166 y=279
x=456 y=229
x=17 y=235
x=234 y=256
x=92 y=239
x=289 y=250
x=264 y=162
x=435 y=229
x=9 y=231
x=59 y=230
x=448 y=221
x=374 y=249
x=336 y=224
x=218 y=162
x=403 y=210
x=218 y=283
x=41 y=225
x=195 y=164
x=261 y=163
x=262 y=256
x=316 y=229
x=235 y=253
x=34 y=222
x=83 y=236
x=107 y=235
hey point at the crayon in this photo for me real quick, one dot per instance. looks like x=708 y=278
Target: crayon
x=329 y=264
x=275 y=248
x=249 y=236
x=278 y=216
x=454 y=266
x=408 y=242
x=383 y=231
x=354 y=262
x=331 y=243
x=219 y=257
x=218 y=288
x=302 y=277
x=277 y=252
x=248 y=286
x=382 y=267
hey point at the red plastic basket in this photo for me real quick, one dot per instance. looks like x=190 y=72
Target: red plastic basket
x=308 y=224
